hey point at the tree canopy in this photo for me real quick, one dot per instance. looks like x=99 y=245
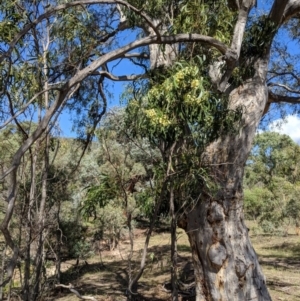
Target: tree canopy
x=272 y=181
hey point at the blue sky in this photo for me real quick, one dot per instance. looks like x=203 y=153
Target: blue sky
x=115 y=88
x=290 y=126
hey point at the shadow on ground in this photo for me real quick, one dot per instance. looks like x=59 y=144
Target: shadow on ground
x=108 y=281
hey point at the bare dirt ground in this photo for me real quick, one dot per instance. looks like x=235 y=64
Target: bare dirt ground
x=105 y=275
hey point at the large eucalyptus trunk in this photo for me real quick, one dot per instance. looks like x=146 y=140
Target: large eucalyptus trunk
x=226 y=265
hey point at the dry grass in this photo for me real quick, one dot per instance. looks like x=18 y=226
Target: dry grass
x=279 y=256
x=280 y=260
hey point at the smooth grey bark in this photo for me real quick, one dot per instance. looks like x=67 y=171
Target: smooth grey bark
x=58 y=245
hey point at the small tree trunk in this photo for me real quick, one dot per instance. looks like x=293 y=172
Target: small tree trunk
x=58 y=247
x=9 y=289
x=2 y=269
x=131 y=238
x=27 y=265
x=38 y=269
x=28 y=229
x=173 y=247
x=153 y=220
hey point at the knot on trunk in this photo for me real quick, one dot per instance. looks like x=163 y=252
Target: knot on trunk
x=241 y=267
x=217 y=254
x=215 y=213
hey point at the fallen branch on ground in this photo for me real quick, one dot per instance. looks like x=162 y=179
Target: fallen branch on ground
x=70 y=287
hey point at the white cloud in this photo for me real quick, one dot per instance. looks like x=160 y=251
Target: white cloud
x=289 y=126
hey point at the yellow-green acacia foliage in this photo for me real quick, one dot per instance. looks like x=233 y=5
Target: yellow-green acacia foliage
x=179 y=104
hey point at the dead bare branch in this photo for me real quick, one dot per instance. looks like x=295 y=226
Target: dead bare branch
x=287 y=88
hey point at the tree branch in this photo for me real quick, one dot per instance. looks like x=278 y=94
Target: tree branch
x=276 y=98
x=232 y=55
x=292 y=74
x=292 y=8
x=142 y=14
x=117 y=53
x=284 y=87
x=61 y=7
x=119 y=77
x=277 y=11
x=142 y=55
x=239 y=28
x=283 y=10
x=25 y=107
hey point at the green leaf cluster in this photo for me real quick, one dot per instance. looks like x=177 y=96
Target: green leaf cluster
x=258 y=36
x=9 y=20
x=179 y=104
x=99 y=195
x=181 y=115
x=207 y=17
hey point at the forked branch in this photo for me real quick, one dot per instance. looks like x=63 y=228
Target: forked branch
x=232 y=55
